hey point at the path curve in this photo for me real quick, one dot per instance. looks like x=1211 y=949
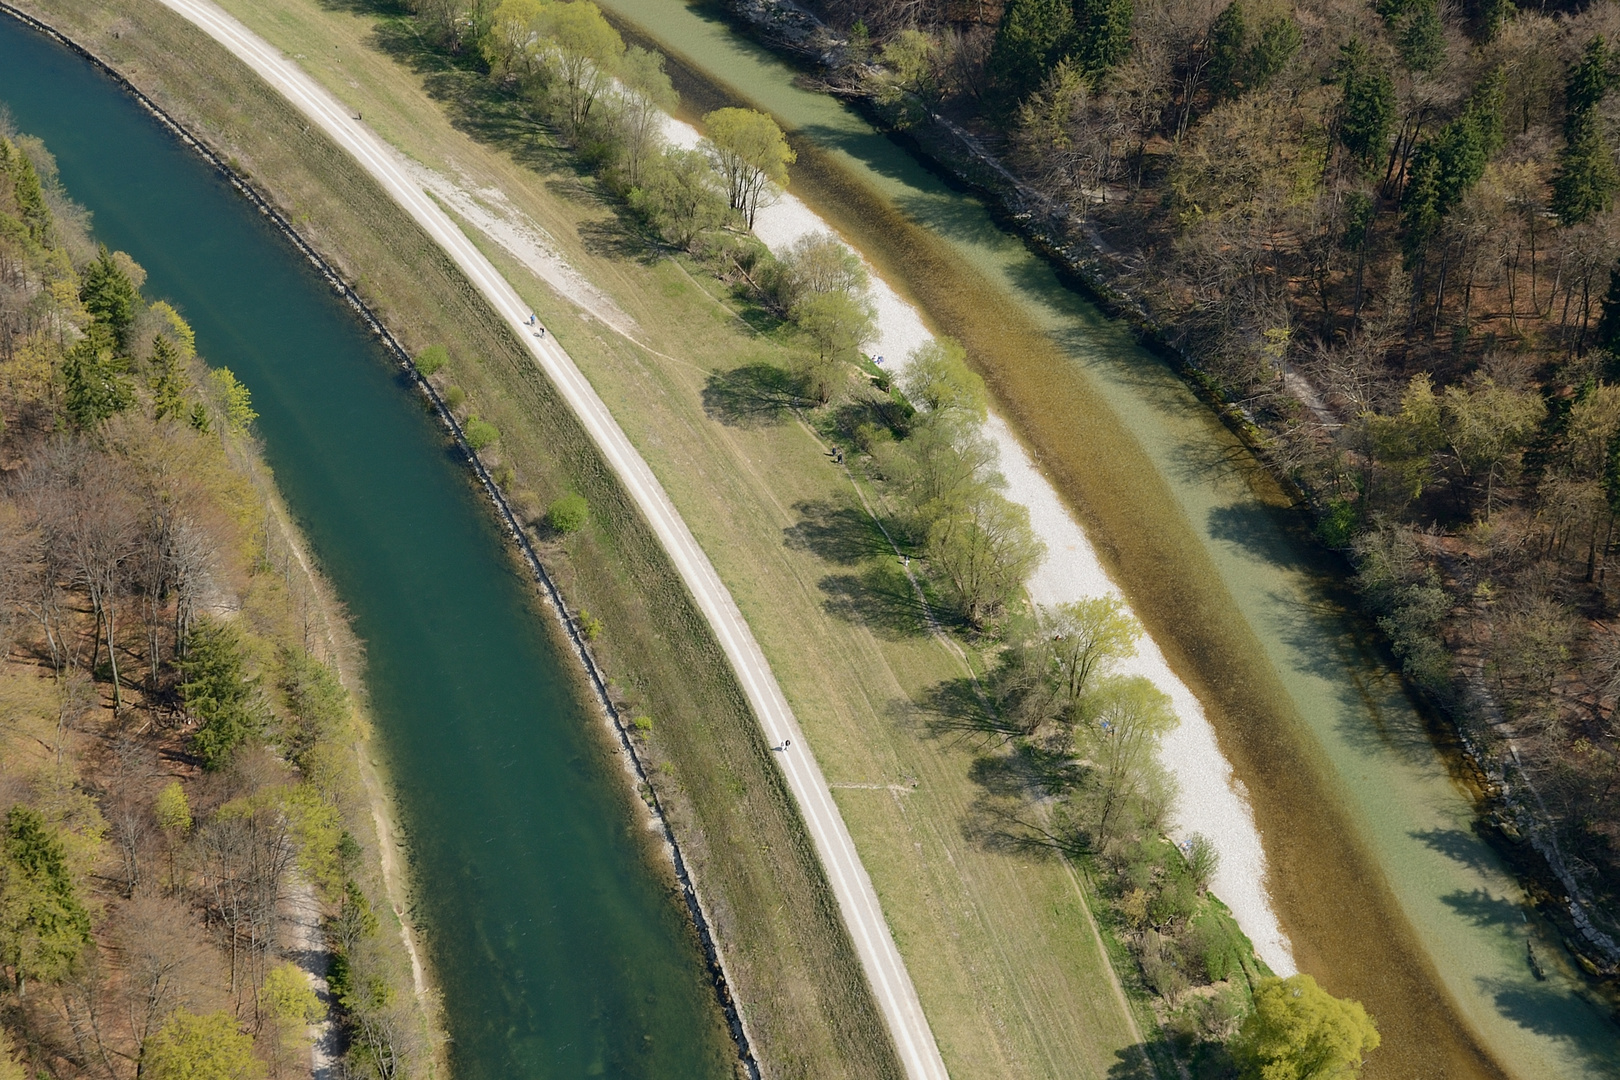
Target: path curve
x=857 y=900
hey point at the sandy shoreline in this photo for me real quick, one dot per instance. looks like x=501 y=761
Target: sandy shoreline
x=1209 y=799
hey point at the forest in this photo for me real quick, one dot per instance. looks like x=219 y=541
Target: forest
x=1384 y=233
x=186 y=834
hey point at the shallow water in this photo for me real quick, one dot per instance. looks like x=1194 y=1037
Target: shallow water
x=1377 y=875
x=559 y=948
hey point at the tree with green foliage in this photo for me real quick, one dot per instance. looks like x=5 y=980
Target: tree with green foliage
x=95 y=382
x=1033 y=36
x=917 y=66
x=1444 y=169
x=32 y=213
x=937 y=378
x=508 y=45
x=837 y=324
x=751 y=155
x=239 y=414
x=218 y=691
x=431 y=360
x=479 y=433
x=1246 y=56
x=584 y=54
x=1085 y=639
x=1586 y=180
x=289 y=1006
x=1487 y=425
x=317 y=706
x=818 y=264
x=43 y=925
x=1607 y=335
x=1102 y=38
x=108 y=294
x=1298 y=1031
x=1421 y=38
x=1589 y=81
x=167 y=381
x=646 y=96
x=568 y=514
x=985 y=550
x=1367 y=110
x=1124 y=719
x=680 y=196
x=192 y=1047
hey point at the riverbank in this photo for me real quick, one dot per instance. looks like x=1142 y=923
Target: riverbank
x=641 y=633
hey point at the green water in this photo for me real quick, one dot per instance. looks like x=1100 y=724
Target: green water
x=1389 y=893
x=558 y=948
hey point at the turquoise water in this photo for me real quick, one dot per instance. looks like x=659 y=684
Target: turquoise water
x=558 y=948
x=1433 y=937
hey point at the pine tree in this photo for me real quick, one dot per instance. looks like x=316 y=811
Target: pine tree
x=1103 y=37
x=43 y=926
x=1367 y=114
x=168 y=382
x=93 y=379
x=108 y=294
x=1034 y=35
x=1586 y=181
x=1422 y=41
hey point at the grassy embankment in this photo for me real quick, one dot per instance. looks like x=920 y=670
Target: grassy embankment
x=804 y=998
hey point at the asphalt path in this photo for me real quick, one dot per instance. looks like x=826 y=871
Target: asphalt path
x=885 y=970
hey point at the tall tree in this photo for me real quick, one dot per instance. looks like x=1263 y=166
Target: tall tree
x=751 y=154
x=43 y=925
x=1298 y=1031
x=192 y=1047
x=95 y=385
x=1102 y=34
x=107 y=293
x=218 y=691
x=1367 y=111
x=1034 y=35
x=585 y=53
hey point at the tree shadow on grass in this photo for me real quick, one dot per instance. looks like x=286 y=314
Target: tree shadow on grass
x=754 y=395
x=879 y=598
x=841 y=534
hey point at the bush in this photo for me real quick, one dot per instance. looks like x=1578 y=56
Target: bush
x=480 y=433
x=431 y=359
x=569 y=513
x=454 y=398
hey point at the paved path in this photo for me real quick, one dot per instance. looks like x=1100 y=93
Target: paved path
x=891 y=984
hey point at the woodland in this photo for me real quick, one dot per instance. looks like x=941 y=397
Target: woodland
x=186 y=836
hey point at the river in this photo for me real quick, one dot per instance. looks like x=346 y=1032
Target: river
x=1385 y=890
x=552 y=931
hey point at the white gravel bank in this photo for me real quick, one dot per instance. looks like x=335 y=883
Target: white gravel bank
x=1209 y=799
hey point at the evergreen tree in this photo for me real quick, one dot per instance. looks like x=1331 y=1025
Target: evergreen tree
x=43 y=926
x=1589 y=81
x=1420 y=214
x=1103 y=37
x=108 y=294
x=94 y=383
x=1422 y=40
x=217 y=690
x=168 y=382
x=1608 y=326
x=1367 y=114
x=1493 y=15
x=1228 y=41
x=1586 y=180
x=1034 y=35
x=25 y=187
x=1244 y=57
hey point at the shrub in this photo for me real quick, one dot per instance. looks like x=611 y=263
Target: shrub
x=643 y=724
x=480 y=433
x=454 y=397
x=569 y=513
x=589 y=625
x=431 y=359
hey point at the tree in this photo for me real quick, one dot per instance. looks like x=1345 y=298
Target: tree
x=1422 y=38
x=239 y=414
x=173 y=809
x=289 y=1006
x=938 y=379
x=1487 y=426
x=1124 y=720
x=218 y=691
x=569 y=514
x=43 y=925
x=838 y=324
x=1298 y=1031
x=107 y=293
x=985 y=550
x=1244 y=57
x=1033 y=36
x=1085 y=639
x=192 y=1047
x=817 y=265
x=647 y=95
x=750 y=154
x=1585 y=183
x=95 y=385
x=918 y=64
x=585 y=57
x=508 y=45
x=168 y=380
x=680 y=196
x=1367 y=112
x=1102 y=34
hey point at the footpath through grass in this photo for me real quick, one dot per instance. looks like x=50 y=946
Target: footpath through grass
x=996 y=933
